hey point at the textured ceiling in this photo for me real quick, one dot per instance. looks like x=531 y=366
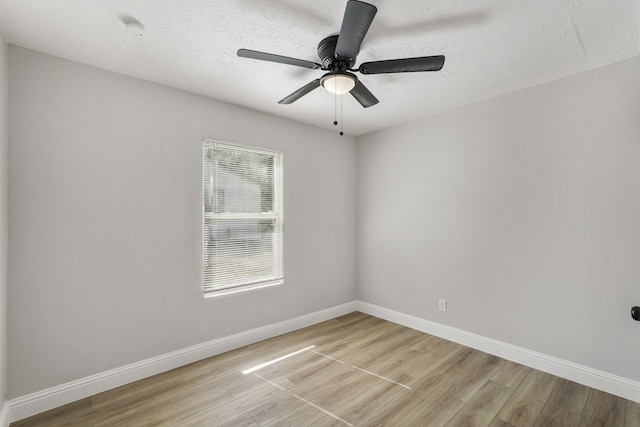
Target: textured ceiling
x=491 y=47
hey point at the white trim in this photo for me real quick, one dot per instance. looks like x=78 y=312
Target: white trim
x=241 y=288
x=233 y=145
x=35 y=403
x=4 y=415
x=590 y=377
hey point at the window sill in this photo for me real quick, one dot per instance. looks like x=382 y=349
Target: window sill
x=248 y=288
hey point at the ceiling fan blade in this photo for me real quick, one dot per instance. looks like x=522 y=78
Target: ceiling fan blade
x=300 y=92
x=355 y=24
x=363 y=96
x=407 y=65
x=254 y=54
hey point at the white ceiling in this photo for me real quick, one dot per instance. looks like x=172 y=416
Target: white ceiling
x=491 y=47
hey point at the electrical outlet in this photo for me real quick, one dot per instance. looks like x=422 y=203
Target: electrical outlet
x=442 y=305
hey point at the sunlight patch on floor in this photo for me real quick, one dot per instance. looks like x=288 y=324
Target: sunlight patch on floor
x=271 y=362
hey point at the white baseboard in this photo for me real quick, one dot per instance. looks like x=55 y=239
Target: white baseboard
x=590 y=377
x=4 y=415
x=35 y=403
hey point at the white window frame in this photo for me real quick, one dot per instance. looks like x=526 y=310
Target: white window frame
x=277 y=215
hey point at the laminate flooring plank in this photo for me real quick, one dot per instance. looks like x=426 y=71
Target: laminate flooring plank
x=346 y=348
x=283 y=407
x=435 y=413
x=379 y=397
x=243 y=420
x=564 y=406
x=365 y=332
x=336 y=350
x=632 y=418
x=525 y=405
x=168 y=403
x=428 y=342
x=303 y=415
x=157 y=407
x=63 y=416
x=373 y=342
x=297 y=369
x=511 y=374
x=152 y=400
x=461 y=376
x=361 y=327
x=321 y=370
x=385 y=354
x=392 y=366
x=397 y=410
x=328 y=421
x=205 y=412
x=400 y=340
x=432 y=359
x=141 y=390
x=241 y=384
x=478 y=369
x=603 y=409
x=338 y=390
x=437 y=348
x=347 y=323
x=497 y=422
x=228 y=363
x=482 y=408
x=437 y=380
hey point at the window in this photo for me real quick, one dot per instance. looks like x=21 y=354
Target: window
x=242 y=201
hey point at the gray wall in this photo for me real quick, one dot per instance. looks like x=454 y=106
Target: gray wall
x=105 y=254
x=522 y=211
x=4 y=138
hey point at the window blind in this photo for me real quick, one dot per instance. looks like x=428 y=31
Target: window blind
x=243 y=213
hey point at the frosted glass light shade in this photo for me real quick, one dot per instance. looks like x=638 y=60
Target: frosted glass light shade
x=339 y=83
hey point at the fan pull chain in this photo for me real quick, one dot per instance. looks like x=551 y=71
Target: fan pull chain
x=341 y=133
x=335 y=109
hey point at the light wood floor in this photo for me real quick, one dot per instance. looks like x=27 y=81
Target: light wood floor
x=361 y=371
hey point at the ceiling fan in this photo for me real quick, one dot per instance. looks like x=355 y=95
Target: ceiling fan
x=338 y=55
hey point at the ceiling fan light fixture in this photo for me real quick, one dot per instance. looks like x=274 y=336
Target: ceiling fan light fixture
x=339 y=83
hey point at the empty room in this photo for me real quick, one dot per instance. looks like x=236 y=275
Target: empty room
x=330 y=213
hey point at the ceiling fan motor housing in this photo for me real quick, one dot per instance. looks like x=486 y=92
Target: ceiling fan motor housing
x=327 y=53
